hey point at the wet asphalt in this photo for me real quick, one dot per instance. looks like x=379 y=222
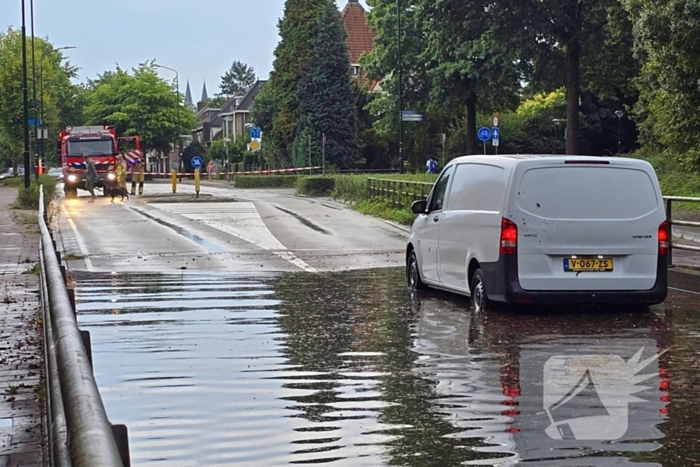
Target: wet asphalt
x=273 y=335
x=347 y=368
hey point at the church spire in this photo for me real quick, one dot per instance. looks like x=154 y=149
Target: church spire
x=205 y=96
x=188 y=97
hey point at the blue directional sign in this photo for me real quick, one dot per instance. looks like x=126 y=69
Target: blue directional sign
x=496 y=133
x=197 y=162
x=484 y=134
x=32 y=122
x=254 y=133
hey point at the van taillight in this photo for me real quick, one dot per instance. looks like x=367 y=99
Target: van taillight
x=663 y=238
x=509 y=237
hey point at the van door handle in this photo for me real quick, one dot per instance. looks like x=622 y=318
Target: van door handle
x=436 y=219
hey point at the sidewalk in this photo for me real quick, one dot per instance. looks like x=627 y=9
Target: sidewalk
x=22 y=441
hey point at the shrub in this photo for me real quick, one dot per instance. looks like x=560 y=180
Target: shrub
x=315 y=185
x=29 y=197
x=266 y=181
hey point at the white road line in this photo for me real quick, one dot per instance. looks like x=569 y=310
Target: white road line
x=683 y=290
x=242 y=220
x=79 y=239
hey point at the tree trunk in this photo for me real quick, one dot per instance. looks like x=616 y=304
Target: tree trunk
x=573 y=91
x=471 y=124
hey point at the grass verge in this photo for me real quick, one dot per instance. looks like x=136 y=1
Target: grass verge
x=383 y=210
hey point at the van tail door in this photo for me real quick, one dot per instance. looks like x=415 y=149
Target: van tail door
x=587 y=227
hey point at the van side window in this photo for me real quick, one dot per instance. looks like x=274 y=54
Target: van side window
x=438 y=198
x=477 y=187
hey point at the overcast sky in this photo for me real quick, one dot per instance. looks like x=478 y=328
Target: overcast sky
x=198 y=38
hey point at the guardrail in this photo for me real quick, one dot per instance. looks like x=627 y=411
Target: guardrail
x=397 y=192
x=671 y=222
x=80 y=435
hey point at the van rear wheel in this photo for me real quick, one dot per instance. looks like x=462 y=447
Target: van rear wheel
x=479 y=297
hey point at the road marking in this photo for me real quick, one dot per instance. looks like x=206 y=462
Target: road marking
x=79 y=239
x=683 y=290
x=240 y=219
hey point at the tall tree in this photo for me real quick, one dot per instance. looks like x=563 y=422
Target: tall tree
x=298 y=29
x=667 y=41
x=237 y=80
x=327 y=104
x=466 y=58
x=138 y=103
x=57 y=100
x=559 y=38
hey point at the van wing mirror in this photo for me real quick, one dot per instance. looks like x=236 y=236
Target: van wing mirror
x=420 y=206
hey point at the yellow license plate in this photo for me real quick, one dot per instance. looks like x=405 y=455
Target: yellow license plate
x=588 y=264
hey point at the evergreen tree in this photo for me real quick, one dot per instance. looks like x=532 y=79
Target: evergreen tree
x=237 y=80
x=326 y=101
x=298 y=29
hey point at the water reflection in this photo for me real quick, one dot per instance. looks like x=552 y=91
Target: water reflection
x=348 y=369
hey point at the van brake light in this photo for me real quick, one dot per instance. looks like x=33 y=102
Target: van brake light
x=588 y=162
x=509 y=237
x=663 y=238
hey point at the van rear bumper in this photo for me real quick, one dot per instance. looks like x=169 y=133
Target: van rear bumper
x=502 y=285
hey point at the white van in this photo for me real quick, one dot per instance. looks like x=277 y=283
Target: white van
x=542 y=229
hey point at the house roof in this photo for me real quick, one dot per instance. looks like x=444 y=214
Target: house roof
x=360 y=35
x=246 y=101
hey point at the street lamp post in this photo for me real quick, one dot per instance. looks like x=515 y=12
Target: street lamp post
x=556 y=122
x=400 y=91
x=619 y=114
x=25 y=104
x=34 y=115
x=177 y=129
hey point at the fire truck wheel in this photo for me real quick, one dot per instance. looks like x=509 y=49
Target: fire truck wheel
x=71 y=192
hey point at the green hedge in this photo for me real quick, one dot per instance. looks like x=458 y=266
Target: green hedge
x=29 y=197
x=315 y=185
x=265 y=181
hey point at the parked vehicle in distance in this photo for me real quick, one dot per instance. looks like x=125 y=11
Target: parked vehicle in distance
x=57 y=173
x=534 y=229
x=10 y=173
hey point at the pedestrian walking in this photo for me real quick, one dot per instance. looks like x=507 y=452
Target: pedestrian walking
x=431 y=165
x=210 y=169
x=91 y=176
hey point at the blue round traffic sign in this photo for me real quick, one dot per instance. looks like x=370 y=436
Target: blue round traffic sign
x=484 y=134
x=197 y=162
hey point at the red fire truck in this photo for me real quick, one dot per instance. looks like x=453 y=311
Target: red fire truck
x=101 y=144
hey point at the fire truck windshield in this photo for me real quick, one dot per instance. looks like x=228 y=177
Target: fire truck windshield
x=104 y=147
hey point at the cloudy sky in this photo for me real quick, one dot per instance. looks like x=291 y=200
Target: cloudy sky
x=199 y=38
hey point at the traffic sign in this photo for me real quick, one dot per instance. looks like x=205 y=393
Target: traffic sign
x=33 y=122
x=496 y=133
x=255 y=133
x=484 y=134
x=408 y=112
x=254 y=145
x=495 y=120
x=197 y=162
x=412 y=118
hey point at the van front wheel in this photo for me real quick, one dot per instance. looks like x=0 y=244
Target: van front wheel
x=413 y=274
x=480 y=299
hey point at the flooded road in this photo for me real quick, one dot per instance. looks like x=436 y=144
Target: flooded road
x=345 y=368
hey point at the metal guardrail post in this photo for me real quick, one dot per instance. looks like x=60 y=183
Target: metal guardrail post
x=91 y=438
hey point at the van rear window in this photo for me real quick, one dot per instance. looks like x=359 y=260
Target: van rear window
x=591 y=192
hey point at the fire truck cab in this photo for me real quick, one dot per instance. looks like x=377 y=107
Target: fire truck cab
x=99 y=143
